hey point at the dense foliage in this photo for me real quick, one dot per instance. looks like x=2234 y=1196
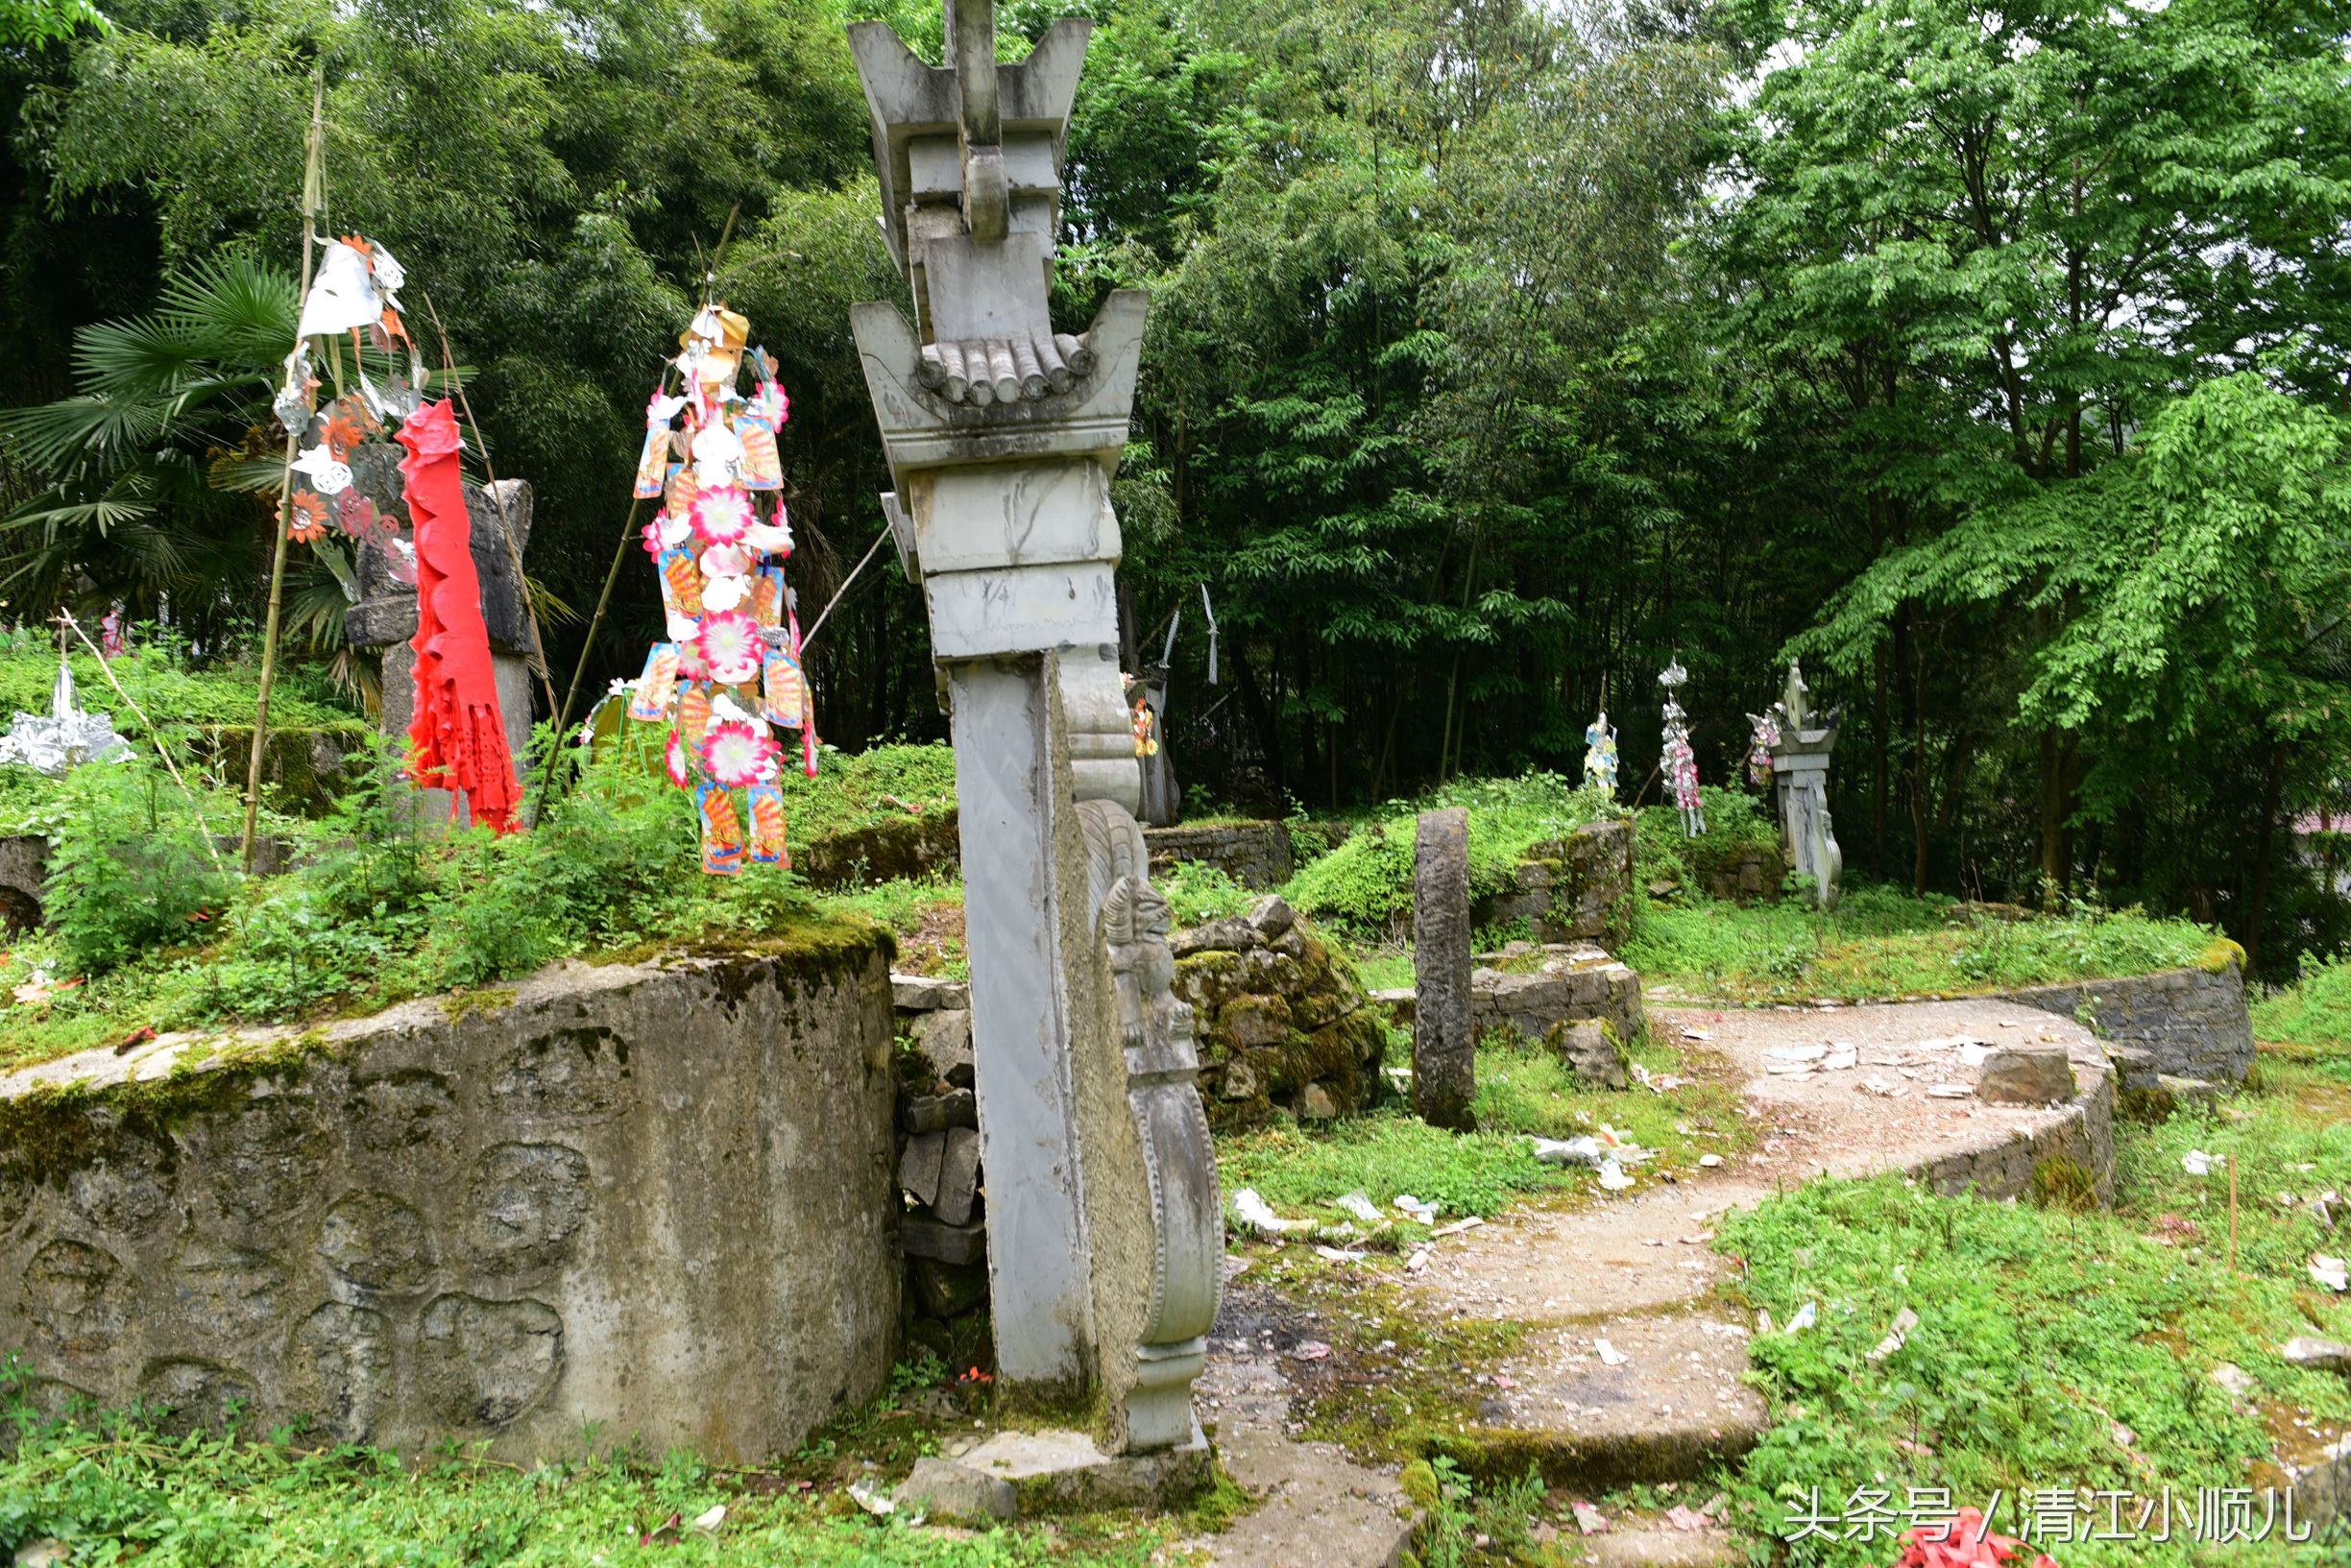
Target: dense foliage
x=1990 y=357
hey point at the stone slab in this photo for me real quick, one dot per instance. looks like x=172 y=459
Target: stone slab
x=1314 y=1505
x=1671 y=1410
x=1064 y=1472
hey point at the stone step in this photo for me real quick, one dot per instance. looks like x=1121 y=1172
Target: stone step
x=1317 y=1507
x=1669 y=1409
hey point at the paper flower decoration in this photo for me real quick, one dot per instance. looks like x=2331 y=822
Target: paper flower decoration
x=307 y=519
x=736 y=754
x=724 y=560
x=675 y=759
x=651 y=535
x=724 y=592
x=723 y=516
x=730 y=645
x=692 y=666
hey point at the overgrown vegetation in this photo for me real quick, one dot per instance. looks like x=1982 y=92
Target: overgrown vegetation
x=1365 y=886
x=2053 y=1349
x=377 y=911
x=1882 y=943
x=2314 y=1012
x=111 y=1488
x=1522 y=1089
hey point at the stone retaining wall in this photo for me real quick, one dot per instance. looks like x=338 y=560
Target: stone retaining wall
x=1574 y=889
x=1253 y=854
x=2192 y=1023
x=655 y=1197
x=1282 y=1018
x=2084 y=1138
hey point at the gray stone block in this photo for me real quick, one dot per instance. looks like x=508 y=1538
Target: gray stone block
x=943 y=1489
x=923 y=1236
x=936 y=1113
x=943 y=1040
x=958 y=1180
x=2027 y=1076
x=927 y=993
x=918 y=1167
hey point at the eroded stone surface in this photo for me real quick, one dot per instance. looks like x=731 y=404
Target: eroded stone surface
x=341 y=1374
x=377 y=1240
x=526 y=1203
x=190 y=1394
x=77 y=1297
x=360 y=1233
x=265 y=1158
x=123 y=1183
x=227 y=1292
x=564 y=1074
x=411 y=1112
x=484 y=1363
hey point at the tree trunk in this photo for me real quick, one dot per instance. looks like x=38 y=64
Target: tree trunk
x=2273 y=786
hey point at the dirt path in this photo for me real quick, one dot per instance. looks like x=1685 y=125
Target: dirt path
x=1633 y=1366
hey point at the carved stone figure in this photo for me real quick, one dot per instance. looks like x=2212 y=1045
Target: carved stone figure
x=1800 y=767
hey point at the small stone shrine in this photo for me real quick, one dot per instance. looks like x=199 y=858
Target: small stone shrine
x=1800 y=774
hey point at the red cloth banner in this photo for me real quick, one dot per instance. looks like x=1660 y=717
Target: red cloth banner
x=459 y=735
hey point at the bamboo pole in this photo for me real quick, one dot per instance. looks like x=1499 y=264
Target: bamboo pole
x=312 y=199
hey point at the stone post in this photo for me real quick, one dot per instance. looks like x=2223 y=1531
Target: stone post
x=1104 y=1226
x=1800 y=777
x=1444 y=1042
x=385 y=614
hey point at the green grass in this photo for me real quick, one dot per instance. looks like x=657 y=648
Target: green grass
x=1365 y=886
x=2053 y=1349
x=1301 y=1169
x=2315 y=1010
x=114 y=1492
x=853 y=790
x=1882 y=943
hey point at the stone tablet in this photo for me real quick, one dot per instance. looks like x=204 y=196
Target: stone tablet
x=1444 y=1046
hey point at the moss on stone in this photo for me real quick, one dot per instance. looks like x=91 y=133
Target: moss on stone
x=2218 y=955
x=2064 y=1183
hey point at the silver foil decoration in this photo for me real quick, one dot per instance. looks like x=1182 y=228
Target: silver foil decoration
x=66 y=739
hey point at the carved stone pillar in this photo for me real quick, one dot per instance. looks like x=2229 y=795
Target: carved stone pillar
x=1105 y=1224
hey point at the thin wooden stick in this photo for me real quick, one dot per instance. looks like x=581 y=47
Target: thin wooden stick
x=2232 y=1165
x=514 y=554
x=106 y=667
x=844 y=588
x=313 y=198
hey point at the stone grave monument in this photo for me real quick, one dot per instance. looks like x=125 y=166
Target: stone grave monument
x=1445 y=1039
x=1800 y=777
x=385 y=614
x=1105 y=1227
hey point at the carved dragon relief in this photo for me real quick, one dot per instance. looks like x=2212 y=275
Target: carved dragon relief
x=1157 y=1034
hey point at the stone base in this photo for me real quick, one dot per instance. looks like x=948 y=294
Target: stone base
x=1028 y=1474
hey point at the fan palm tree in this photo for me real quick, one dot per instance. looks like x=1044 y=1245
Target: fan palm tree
x=160 y=476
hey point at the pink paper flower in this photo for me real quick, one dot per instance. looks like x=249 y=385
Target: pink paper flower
x=736 y=754
x=691 y=666
x=652 y=538
x=731 y=646
x=674 y=759
x=724 y=515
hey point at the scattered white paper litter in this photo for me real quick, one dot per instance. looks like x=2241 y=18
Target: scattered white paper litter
x=1424 y=1213
x=1359 y=1204
x=1339 y=1255
x=1584 y=1150
x=711 y=1519
x=1805 y=1317
x=1710 y=1161
x=871 y=1500
x=2196 y=1163
x=1609 y=1355
x=1950 y=1090
x=1259 y=1216
x=1613 y=1178
x=2330 y=1272
x=1904 y=1321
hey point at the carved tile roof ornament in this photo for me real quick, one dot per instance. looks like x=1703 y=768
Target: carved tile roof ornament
x=1104 y=1221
